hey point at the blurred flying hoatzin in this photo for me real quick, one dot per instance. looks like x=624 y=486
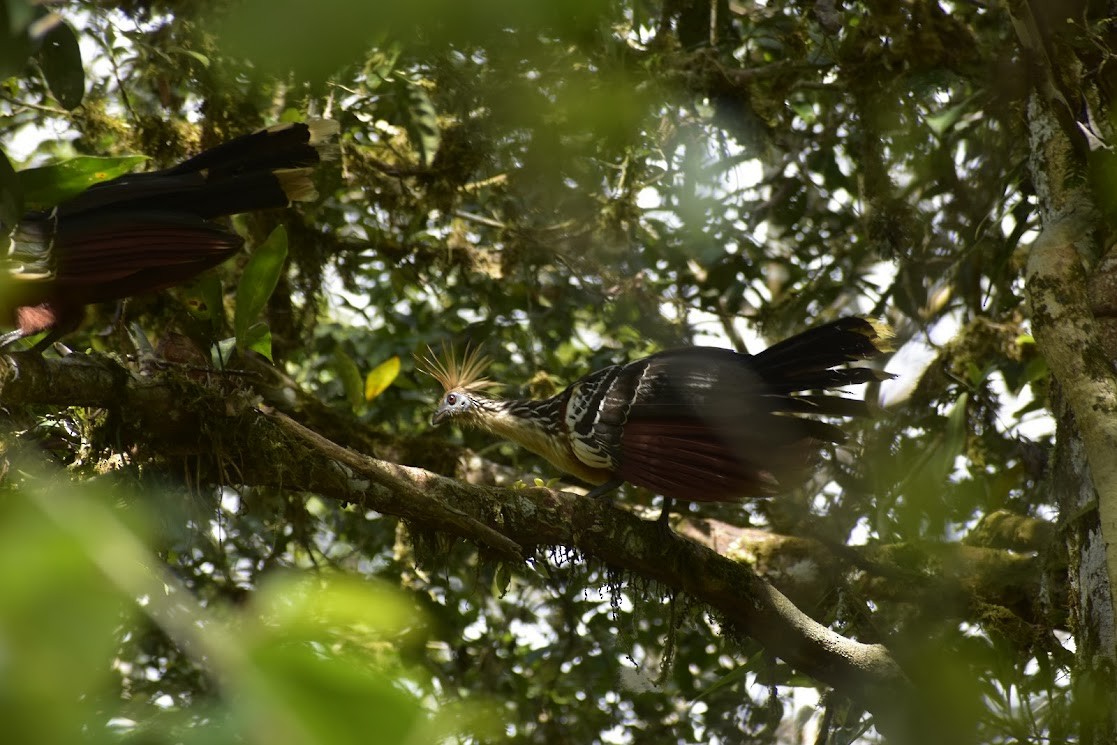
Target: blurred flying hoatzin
x=149 y=231
x=697 y=424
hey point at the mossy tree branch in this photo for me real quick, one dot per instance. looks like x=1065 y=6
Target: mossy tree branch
x=169 y=416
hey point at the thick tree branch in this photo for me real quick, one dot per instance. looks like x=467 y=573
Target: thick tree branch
x=950 y=580
x=157 y=416
x=1003 y=529
x=399 y=481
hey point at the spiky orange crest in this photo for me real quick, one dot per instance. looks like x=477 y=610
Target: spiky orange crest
x=456 y=373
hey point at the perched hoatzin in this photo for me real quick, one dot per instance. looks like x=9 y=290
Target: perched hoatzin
x=149 y=231
x=697 y=424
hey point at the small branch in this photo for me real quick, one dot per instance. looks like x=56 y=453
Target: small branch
x=498 y=180
x=725 y=317
x=52 y=110
x=480 y=219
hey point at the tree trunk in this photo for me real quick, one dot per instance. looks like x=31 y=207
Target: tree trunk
x=1066 y=289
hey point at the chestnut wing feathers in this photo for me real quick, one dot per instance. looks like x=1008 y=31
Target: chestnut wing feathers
x=705 y=424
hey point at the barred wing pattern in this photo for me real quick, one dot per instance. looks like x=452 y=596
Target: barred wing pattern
x=594 y=417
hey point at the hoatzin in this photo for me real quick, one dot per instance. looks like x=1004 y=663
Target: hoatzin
x=697 y=424
x=149 y=231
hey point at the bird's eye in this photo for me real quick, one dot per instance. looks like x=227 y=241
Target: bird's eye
x=452 y=399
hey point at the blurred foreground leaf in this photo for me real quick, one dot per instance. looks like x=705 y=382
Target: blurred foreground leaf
x=312 y=661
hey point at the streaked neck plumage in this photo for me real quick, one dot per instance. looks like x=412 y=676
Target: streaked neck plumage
x=538 y=426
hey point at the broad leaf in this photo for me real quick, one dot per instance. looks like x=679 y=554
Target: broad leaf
x=11 y=196
x=258 y=282
x=257 y=339
x=381 y=377
x=419 y=118
x=203 y=298
x=60 y=60
x=16 y=44
x=350 y=376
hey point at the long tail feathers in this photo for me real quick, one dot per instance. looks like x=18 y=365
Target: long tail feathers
x=147 y=231
x=283 y=146
x=813 y=359
x=265 y=169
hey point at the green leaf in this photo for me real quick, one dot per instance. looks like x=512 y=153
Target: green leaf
x=16 y=44
x=1036 y=370
x=805 y=111
x=257 y=283
x=305 y=607
x=956 y=431
x=502 y=580
x=223 y=351
x=419 y=118
x=330 y=698
x=945 y=120
x=380 y=64
x=350 y=376
x=60 y=60
x=381 y=377
x=57 y=619
x=937 y=463
x=47 y=186
x=203 y=298
x=932 y=466
x=736 y=676
x=257 y=339
x=201 y=58
x=11 y=195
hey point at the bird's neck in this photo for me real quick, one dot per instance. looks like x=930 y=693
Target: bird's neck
x=522 y=421
x=538 y=426
x=534 y=425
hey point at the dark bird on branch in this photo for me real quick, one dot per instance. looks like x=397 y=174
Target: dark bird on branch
x=149 y=231
x=698 y=424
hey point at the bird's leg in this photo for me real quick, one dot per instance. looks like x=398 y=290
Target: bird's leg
x=52 y=336
x=603 y=489
x=66 y=319
x=664 y=519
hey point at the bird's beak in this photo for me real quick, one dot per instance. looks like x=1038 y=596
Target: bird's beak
x=440 y=416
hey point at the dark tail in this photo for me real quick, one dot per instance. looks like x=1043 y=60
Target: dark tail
x=816 y=360
x=149 y=231
x=268 y=168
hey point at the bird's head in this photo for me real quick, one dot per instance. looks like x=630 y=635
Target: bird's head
x=461 y=383
x=457 y=403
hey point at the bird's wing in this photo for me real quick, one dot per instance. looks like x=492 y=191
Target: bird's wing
x=594 y=415
x=701 y=424
x=106 y=256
